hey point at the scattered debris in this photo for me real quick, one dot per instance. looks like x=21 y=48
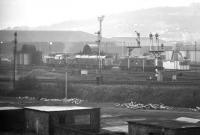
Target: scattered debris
x=27 y=99
x=197 y=109
x=134 y=105
x=65 y=100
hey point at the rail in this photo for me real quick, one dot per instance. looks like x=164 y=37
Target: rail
x=126 y=82
x=115 y=82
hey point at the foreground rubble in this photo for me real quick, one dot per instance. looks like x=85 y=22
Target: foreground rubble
x=134 y=105
x=65 y=100
x=27 y=99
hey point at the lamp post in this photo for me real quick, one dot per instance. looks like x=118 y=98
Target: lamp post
x=50 y=44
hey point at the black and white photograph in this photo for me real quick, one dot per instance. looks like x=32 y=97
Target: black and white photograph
x=99 y=67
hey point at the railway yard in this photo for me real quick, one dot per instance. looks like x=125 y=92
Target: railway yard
x=105 y=94
x=114 y=114
x=70 y=78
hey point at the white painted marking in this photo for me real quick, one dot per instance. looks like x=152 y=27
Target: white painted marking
x=123 y=128
x=187 y=119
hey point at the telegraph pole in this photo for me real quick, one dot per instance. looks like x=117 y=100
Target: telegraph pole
x=99 y=33
x=195 y=49
x=99 y=38
x=14 y=61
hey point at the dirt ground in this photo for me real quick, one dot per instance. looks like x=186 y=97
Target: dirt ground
x=113 y=118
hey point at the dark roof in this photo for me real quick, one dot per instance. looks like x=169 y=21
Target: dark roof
x=170 y=124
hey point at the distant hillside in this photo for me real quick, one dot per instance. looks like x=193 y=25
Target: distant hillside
x=47 y=36
x=172 y=23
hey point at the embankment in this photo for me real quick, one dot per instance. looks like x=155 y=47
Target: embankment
x=173 y=95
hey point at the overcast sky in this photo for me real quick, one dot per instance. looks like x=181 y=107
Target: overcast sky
x=46 y=12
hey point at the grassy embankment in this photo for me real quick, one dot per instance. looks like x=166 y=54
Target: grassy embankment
x=182 y=96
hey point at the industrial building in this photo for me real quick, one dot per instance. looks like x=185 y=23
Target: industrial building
x=180 y=57
x=28 y=55
x=180 y=52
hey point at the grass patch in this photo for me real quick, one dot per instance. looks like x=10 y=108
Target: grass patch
x=180 y=96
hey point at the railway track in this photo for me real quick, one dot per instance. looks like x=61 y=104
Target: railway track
x=105 y=82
